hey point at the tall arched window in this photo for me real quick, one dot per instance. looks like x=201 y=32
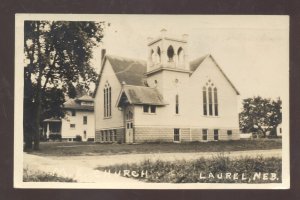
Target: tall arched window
x=180 y=54
x=107 y=100
x=159 y=54
x=210 y=100
x=177 y=104
x=170 y=53
x=210 y=104
x=216 y=102
x=204 y=101
x=152 y=56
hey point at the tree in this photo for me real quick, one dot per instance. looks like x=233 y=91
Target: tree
x=260 y=115
x=57 y=55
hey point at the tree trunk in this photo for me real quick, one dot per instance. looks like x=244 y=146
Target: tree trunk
x=28 y=141
x=36 y=136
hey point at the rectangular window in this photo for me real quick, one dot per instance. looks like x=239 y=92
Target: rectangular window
x=84 y=119
x=177 y=104
x=111 y=136
x=106 y=135
x=73 y=113
x=115 y=135
x=229 y=132
x=176 y=134
x=72 y=125
x=204 y=134
x=153 y=109
x=102 y=136
x=216 y=134
x=280 y=130
x=146 y=108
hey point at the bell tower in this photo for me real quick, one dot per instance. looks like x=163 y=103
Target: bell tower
x=167 y=52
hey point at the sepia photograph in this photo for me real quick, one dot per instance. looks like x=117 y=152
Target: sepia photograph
x=119 y=101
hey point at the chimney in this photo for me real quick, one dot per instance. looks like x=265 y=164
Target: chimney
x=103 y=52
x=185 y=37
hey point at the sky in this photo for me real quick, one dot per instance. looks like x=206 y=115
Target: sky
x=253 y=51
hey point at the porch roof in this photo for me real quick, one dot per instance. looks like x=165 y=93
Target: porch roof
x=52 y=119
x=141 y=95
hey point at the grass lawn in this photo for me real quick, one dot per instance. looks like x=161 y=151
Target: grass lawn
x=90 y=148
x=38 y=176
x=220 y=169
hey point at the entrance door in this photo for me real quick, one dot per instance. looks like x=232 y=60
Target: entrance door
x=129 y=126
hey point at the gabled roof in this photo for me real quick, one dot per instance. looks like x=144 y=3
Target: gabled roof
x=85 y=98
x=197 y=62
x=74 y=104
x=130 y=71
x=141 y=95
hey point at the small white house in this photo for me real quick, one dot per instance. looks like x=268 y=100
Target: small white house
x=78 y=121
x=279 y=130
x=165 y=98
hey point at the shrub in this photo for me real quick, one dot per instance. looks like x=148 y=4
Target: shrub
x=55 y=136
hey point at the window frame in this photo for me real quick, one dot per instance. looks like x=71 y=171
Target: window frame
x=216 y=134
x=85 y=120
x=174 y=134
x=205 y=134
x=72 y=126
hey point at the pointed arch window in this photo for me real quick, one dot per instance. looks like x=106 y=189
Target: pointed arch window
x=210 y=100
x=204 y=101
x=210 y=103
x=170 y=53
x=216 y=102
x=159 y=54
x=180 y=54
x=107 y=100
x=177 y=104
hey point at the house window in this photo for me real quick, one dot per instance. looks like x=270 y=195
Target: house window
x=229 y=132
x=177 y=104
x=210 y=104
x=146 y=108
x=153 y=109
x=176 y=134
x=107 y=100
x=84 y=119
x=72 y=125
x=216 y=101
x=204 y=101
x=73 y=113
x=204 y=134
x=149 y=109
x=216 y=134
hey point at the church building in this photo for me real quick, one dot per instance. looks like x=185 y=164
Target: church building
x=166 y=98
